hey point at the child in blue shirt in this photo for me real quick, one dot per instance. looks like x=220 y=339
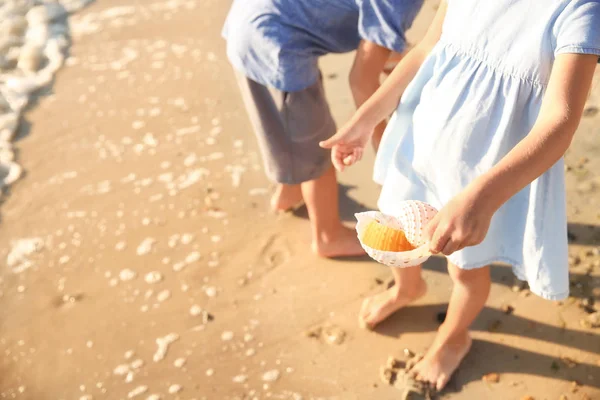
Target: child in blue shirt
x=274 y=46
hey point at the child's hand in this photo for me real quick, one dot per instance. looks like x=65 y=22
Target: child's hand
x=348 y=144
x=461 y=223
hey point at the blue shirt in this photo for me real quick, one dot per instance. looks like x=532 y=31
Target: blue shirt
x=277 y=42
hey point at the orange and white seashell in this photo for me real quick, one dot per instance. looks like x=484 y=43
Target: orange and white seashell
x=386 y=234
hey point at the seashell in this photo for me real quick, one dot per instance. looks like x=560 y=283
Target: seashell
x=411 y=221
x=386 y=238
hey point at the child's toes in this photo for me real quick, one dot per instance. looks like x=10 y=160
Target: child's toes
x=364 y=314
x=442 y=381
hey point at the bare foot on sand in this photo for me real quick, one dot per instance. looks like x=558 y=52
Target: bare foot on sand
x=377 y=308
x=343 y=243
x=442 y=359
x=286 y=197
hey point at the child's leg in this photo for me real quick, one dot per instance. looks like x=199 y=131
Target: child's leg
x=289 y=127
x=408 y=286
x=452 y=343
x=286 y=197
x=330 y=237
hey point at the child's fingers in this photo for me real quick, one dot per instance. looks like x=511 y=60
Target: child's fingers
x=354 y=157
x=359 y=154
x=349 y=160
x=439 y=240
x=451 y=246
x=431 y=227
x=338 y=157
x=332 y=141
x=337 y=160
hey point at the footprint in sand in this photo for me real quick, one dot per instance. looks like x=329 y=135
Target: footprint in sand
x=67 y=300
x=330 y=334
x=275 y=251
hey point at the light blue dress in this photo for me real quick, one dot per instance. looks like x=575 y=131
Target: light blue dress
x=476 y=96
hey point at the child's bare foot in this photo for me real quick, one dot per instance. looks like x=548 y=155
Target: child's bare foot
x=286 y=197
x=442 y=359
x=343 y=243
x=377 y=308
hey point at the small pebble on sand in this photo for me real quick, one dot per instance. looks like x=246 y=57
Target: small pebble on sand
x=192 y=257
x=271 y=376
x=195 y=310
x=153 y=277
x=491 y=378
x=163 y=344
x=226 y=336
x=180 y=362
x=145 y=246
x=163 y=295
x=137 y=391
x=127 y=275
x=174 y=389
x=121 y=370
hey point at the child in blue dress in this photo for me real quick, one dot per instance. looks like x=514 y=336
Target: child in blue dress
x=487 y=105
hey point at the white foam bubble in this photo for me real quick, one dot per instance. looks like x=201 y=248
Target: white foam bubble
x=18 y=258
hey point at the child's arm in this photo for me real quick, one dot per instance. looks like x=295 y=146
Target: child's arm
x=366 y=70
x=349 y=142
x=465 y=220
x=385 y=100
x=365 y=76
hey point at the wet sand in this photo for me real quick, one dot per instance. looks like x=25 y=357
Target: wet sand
x=142 y=260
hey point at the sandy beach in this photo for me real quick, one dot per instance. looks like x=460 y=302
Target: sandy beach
x=141 y=260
